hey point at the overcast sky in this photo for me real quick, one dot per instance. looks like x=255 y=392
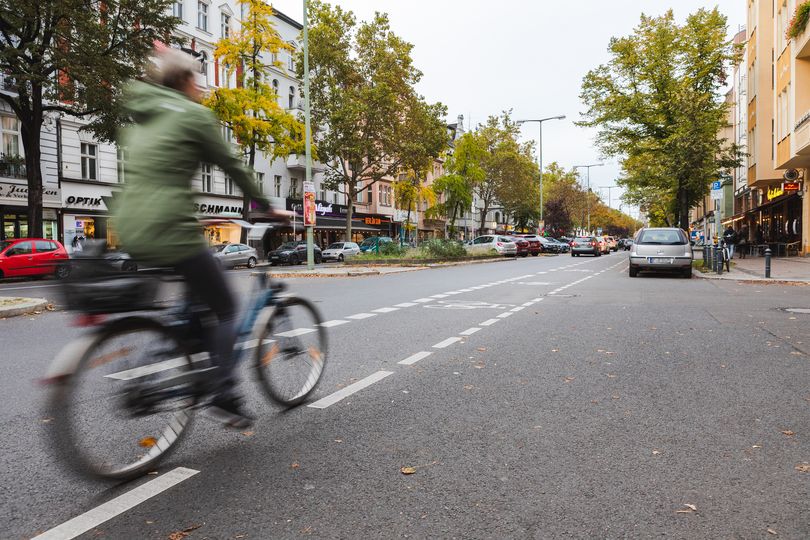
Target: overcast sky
x=480 y=58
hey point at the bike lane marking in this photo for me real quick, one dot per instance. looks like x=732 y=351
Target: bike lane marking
x=447 y=342
x=331 y=399
x=117 y=506
x=412 y=359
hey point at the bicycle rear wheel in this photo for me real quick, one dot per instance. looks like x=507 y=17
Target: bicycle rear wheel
x=101 y=427
x=291 y=353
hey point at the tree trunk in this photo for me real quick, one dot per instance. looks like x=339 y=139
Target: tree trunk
x=245 y=199
x=408 y=222
x=351 y=193
x=31 y=133
x=484 y=212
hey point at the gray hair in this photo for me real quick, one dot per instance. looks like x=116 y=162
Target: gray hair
x=173 y=69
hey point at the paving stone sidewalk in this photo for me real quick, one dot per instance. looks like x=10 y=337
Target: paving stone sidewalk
x=790 y=269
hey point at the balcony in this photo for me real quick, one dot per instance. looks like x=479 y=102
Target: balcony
x=801 y=44
x=12 y=169
x=7 y=83
x=297 y=162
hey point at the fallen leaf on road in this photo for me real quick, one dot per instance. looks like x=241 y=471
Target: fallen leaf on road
x=722 y=365
x=600 y=350
x=147 y=442
x=555 y=350
x=691 y=507
x=771 y=531
x=788 y=433
x=338 y=440
x=50 y=307
x=248 y=433
x=179 y=535
x=569 y=379
x=482 y=349
x=46 y=420
x=656 y=452
x=803 y=467
x=611 y=375
x=295 y=465
x=468 y=387
x=614 y=396
x=407 y=470
x=797 y=353
x=789 y=318
x=756 y=446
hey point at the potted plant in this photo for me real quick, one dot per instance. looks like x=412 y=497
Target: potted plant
x=799 y=21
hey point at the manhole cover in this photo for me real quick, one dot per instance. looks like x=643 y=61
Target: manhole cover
x=803 y=310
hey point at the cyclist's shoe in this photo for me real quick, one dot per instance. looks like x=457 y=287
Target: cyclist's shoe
x=230 y=411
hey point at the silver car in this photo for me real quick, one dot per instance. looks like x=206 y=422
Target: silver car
x=661 y=249
x=340 y=250
x=492 y=243
x=232 y=255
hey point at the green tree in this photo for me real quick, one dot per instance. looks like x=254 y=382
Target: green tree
x=72 y=56
x=251 y=109
x=657 y=106
x=563 y=200
x=373 y=124
x=410 y=190
x=464 y=171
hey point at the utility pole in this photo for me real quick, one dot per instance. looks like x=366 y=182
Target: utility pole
x=588 y=194
x=610 y=199
x=307 y=142
x=540 y=153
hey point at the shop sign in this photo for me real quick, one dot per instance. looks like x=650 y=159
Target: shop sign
x=322 y=208
x=83 y=201
x=774 y=192
x=792 y=186
x=18 y=193
x=372 y=221
x=309 y=204
x=217 y=209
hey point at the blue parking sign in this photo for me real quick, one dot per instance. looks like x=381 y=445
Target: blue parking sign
x=717 y=185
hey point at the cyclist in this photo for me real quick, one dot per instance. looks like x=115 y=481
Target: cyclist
x=170 y=136
x=730 y=238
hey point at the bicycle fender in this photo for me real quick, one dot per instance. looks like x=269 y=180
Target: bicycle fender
x=67 y=360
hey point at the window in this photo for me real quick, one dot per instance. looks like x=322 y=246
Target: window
x=291 y=61
x=321 y=192
x=224 y=81
x=245 y=10
x=359 y=197
x=225 y=25
x=294 y=191
x=275 y=87
x=202 y=15
x=291 y=104
x=207 y=180
x=227 y=133
x=89 y=154
x=10 y=127
x=274 y=58
x=21 y=248
x=277 y=186
x=44 y=247
x=123 y=157
x=177 y=9
x=204 y=66
x=335 y=199
x=260 y=182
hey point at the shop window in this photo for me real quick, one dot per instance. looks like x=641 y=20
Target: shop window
x=202 y=15
x=122 y=158
x=89 y=154
x=277 y=186
x=207 y=178
x=228 y=185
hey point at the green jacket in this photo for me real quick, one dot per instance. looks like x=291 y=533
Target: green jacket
x=171 y=136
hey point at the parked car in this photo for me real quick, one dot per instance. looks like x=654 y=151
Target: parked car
x=535 y=245
x=664 y=249
x=121 y=260
x=522 y=245
x=33 y=257
x=493 y=242
x=293 y=253
x=628 y=244
x=372 y=242
x=338 y=251
x=550 y=246
x=604 y=249
x=565 y=247
x=585 y=245
x=233 y=255
x=612 y=243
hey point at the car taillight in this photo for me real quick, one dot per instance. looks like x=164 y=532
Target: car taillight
x=593 y=244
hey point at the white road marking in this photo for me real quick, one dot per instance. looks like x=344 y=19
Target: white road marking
x=423 y=300
x=527 y=304
x=405 y=304
x=117 y=506
x=336 y=322
x=469 y=331
x=488 y=322
x=414 y=358
x=439 y=296
x=465 y=290
x=28 y=287
x=385 y=310
x=447 y=342
x=519 y=308
x=296 y=332
x=343 y=393
x=359 y=316
x=505 y=315
x=142 y=371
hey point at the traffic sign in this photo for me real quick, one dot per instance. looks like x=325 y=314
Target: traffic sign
x=717 y=185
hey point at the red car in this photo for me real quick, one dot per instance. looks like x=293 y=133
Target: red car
x=522 y=246
x=535 y=246
x=32 y=257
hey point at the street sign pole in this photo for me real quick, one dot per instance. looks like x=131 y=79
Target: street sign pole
x=308 y=143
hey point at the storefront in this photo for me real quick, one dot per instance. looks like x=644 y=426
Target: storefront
x=776 y=217
x=85 y=213
x=331 y=225
x=216 y=215
x=14 y=211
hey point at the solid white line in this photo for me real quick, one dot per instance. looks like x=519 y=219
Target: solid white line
x=405 y=304
x=447 y=342
x=439 y=296
x=423 y=300
x=527 y=304
x=24 y=288
x=469 y=331
x=488 y=322
x=505 y=315
x=359 y=316
x=117 y=506
x=296 y=332
x=465 y=290
x=537 y=299
x=385 y=310
x=349 y=390
x=336 y=322
x=519 y=308
x=414 y=358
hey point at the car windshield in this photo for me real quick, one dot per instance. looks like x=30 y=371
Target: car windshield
x=288 y=245
x=368 y=242
x=665 y=237
x=335 y=246
x=218 y=248
x=583 y=240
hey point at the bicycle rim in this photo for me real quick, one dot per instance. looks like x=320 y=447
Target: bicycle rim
x=99 y=431
x=291 y=353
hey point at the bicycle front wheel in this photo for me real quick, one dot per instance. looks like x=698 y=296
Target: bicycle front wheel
x=104 y=424
x=291 y=353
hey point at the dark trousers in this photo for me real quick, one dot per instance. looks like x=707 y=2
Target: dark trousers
x=206 y=284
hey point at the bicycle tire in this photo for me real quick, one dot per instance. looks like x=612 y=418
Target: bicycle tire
x=278 y=345
x=66 y=405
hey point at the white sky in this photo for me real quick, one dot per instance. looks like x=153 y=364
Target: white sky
x=480 y=58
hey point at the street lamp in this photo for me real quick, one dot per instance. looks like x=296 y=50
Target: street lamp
x=588 y=195
x=610 y=199
x=307 y=136
x=540 y=152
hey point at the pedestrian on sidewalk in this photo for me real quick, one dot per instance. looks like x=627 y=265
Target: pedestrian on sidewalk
x=742 y=241
x=730 y=238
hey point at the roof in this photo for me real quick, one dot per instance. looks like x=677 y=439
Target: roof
x=287 y=19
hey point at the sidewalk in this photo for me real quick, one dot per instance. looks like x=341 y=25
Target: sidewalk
x=13 y=306
x=791 y=269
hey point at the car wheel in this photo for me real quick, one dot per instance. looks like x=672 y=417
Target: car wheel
x=573 y=255
x=340 y=258
x=687 y=273
x=251 y=262
x=293 y=260
x=633 y=272
x=129 y=266
x=62 y=271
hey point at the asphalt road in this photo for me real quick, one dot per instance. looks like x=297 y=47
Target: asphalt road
x=602 y=409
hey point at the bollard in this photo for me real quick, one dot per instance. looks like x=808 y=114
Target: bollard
x=768 y=262
x=705 y=256
x=717 y=258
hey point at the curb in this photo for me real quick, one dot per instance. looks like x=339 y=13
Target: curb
x=24 y=307
x=752 y=280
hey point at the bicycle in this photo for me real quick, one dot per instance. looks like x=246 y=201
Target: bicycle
x=151 y=369
x=726 y=256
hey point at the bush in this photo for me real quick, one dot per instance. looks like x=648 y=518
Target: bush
x=443 y=249
x=392 y=248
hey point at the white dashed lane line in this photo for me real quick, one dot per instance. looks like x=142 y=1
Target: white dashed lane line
x=519 y=308
x=505 y=315
x=405 y=304
x=469 y=331
x=414 y=358
x=488 y=322
x=361 y=316
x=447 y=342
x=331 y=399
x=385 y=310
x=336 y=322
x=423 y=300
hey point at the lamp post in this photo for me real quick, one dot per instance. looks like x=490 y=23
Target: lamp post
x=540 y=152
x=588 y=194
x=307 y=135
x=610 y=199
